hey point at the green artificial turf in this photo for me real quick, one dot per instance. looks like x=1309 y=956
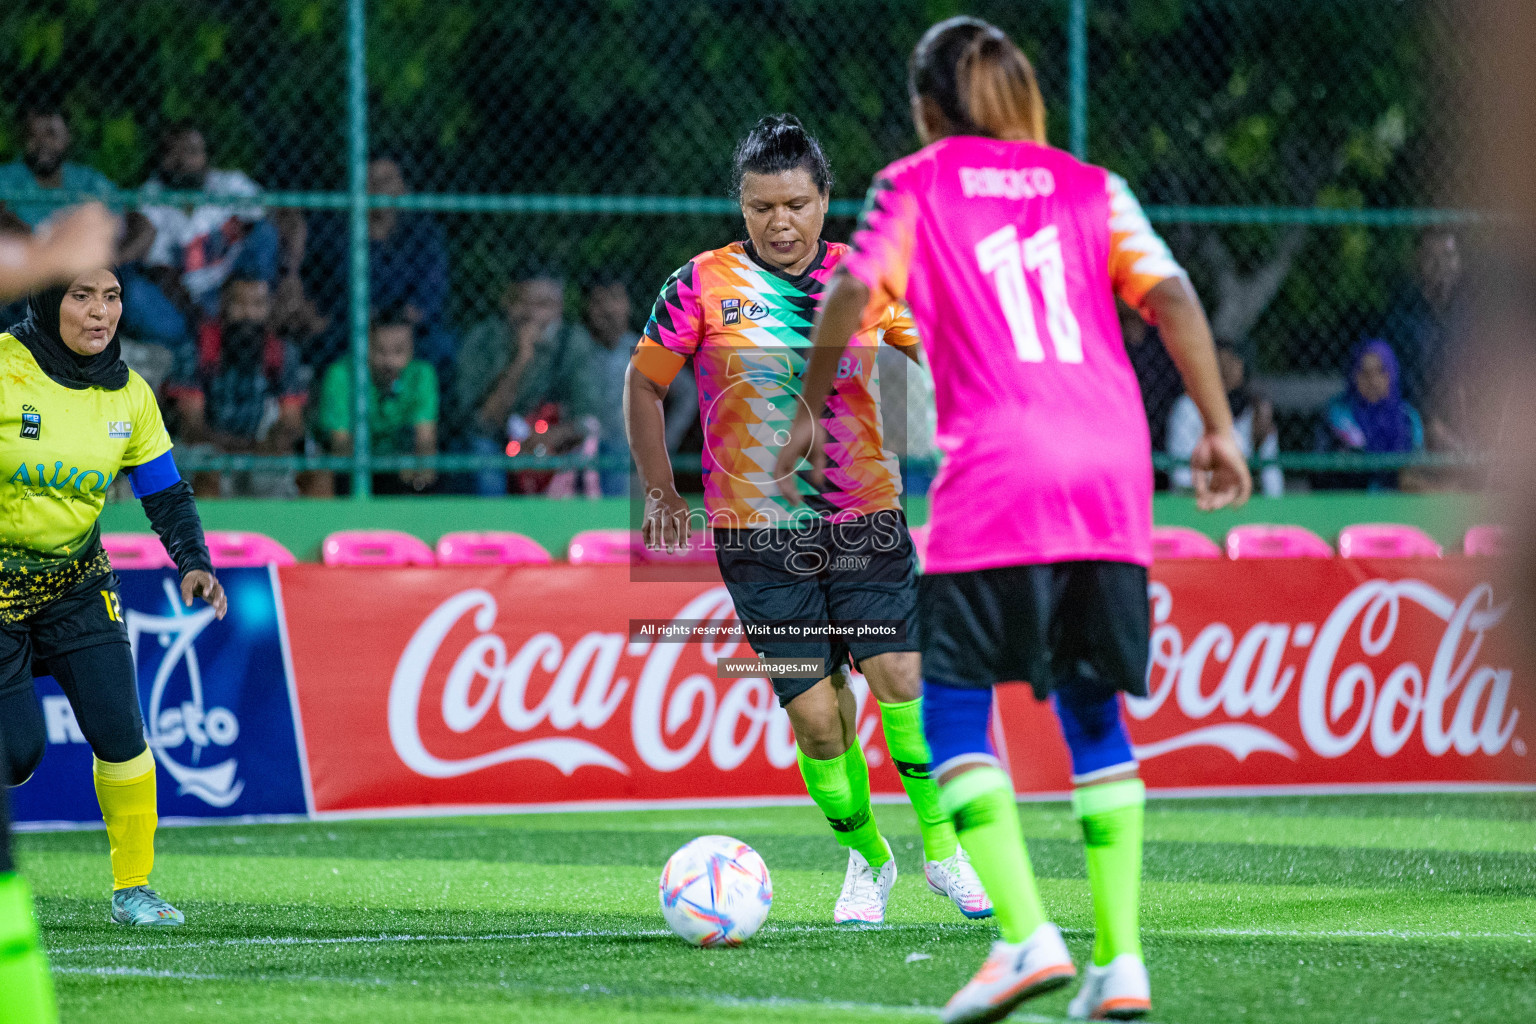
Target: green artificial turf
x=1397 y=909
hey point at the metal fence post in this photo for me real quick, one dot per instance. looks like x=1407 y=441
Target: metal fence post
x=357 y=189
x=1077 y=81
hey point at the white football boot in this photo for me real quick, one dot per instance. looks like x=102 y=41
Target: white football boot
x=865 y=891
x=1117 y=991
x=1013 y=973
x=955 y=878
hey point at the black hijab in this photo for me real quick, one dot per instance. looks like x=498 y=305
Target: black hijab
x=39 y=332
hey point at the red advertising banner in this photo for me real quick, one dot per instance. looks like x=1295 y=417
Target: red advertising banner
x=521 y=685
x=516 y=686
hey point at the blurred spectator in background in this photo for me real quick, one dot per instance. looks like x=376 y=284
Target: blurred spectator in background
x=525 y=382
x=1160 y=382
x=1371 y=417
x=402 y=404
x=608 y=321
x=407 y=271
x=240 y=390
x=197 y=248
x=1253 y=419
x=45 y=144
x=1425 y=323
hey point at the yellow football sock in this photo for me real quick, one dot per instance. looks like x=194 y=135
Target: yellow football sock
x=126 y=792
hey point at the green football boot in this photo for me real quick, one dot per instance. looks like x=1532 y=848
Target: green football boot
x=141 y=905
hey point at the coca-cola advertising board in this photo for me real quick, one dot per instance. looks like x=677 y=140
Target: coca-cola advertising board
x=477 y=688
x=1303 y=673
x=518 y=686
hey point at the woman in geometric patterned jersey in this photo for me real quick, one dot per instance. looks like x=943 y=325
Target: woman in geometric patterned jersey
x=741 y=314
x=1010 y=255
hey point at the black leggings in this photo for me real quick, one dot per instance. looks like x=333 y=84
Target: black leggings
x=99 y=682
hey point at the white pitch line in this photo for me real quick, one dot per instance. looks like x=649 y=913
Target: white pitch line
x=741 y=1001
x=1343 y=933
x=593 y=933
x=299 y=940
x=599 y=933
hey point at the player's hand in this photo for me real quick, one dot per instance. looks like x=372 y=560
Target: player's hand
x=805 y=442
x=1221 y=473
x=80 y=239
x=205 y=584
x=666 y=526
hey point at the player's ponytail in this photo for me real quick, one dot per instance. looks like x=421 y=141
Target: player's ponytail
x=982 y=83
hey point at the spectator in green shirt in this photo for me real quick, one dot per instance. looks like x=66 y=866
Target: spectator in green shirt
x=402 y=404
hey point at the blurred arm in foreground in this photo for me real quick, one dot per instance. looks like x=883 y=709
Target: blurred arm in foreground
x=77 y=240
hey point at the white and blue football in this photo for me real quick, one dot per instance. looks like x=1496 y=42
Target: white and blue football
x=715 y=891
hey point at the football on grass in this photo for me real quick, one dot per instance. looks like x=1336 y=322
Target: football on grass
x=715 y=891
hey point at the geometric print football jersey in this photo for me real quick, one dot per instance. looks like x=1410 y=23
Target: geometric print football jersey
x=747 y=327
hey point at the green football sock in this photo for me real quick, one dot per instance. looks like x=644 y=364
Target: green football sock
x=903 y=725
x=836 y=787
x=986 y=817
x=1111 y=814
x=26 y=988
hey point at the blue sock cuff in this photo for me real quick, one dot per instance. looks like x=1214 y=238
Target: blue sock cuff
x=1094 y=731
x=955 y=720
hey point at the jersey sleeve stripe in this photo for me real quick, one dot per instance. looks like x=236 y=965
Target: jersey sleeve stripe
x=658 y=363
x=675 y=319
x=154 y=476
x=1139 y=259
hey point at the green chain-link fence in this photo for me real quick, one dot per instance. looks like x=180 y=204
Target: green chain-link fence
x=416 y=158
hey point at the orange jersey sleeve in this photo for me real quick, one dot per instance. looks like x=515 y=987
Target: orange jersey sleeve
x=898 y=328
x=675 y=329
x=1139 y=259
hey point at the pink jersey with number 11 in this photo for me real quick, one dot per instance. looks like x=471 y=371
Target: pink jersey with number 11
x=1009 y=255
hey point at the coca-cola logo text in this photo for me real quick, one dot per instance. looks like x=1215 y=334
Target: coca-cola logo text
x=1455 y=704
x=672 y=721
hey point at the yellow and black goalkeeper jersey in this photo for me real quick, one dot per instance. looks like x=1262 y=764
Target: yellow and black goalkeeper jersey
x=60 y=449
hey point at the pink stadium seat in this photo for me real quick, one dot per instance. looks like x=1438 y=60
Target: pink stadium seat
x=375 y=547
x=232 y=549
x=1182 y=542
x=1387 y=540
x=1486 y=541
x=1256 y=541
x=135 y=551
x=490 y=547
x=604 y=547
x=920 y=542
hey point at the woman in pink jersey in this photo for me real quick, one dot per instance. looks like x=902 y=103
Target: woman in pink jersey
x=1010 y=254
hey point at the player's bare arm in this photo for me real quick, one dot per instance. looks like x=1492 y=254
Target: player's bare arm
x=1221 y=473
x=72 y=243
x=666 y=512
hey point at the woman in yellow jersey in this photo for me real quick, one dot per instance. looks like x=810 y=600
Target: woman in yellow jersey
x=74 y=241
x=72 y=416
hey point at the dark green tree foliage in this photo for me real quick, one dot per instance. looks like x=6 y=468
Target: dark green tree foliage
x=1302 y=103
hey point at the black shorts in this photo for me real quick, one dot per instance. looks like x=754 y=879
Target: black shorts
x=88 y=614
x=861 y=571
x=1062 y=623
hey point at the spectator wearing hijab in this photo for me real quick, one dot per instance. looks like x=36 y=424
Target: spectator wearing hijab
x=1371 y=417
x=1253 y=420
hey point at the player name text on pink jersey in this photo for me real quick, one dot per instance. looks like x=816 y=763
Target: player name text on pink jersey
x=1007 y=182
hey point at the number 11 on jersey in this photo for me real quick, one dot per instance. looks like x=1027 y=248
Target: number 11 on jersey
x=1005 y=258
